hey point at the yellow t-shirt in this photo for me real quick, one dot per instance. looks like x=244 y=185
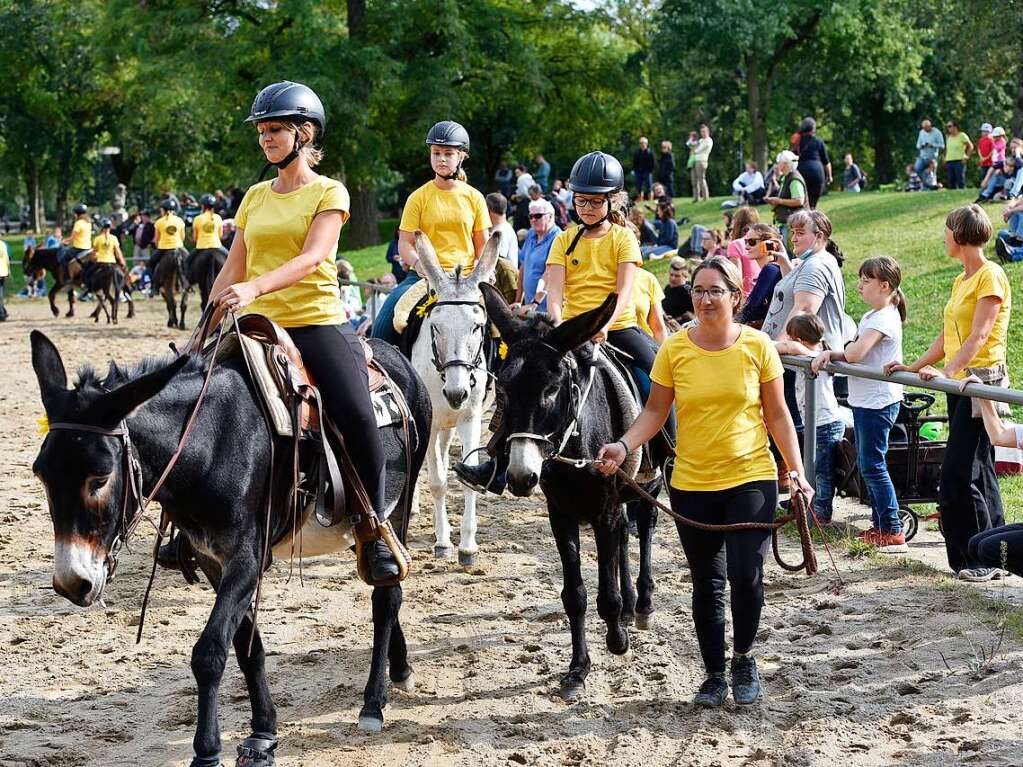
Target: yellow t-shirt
x=591 y=272
x=170 y=232
x=5 y=260
x=718 y=406
x=103 y=246
x=275 y=227
x=206 y=228
x=81 y=234
x=989 y=280
x=646 y=291
x=449 y=217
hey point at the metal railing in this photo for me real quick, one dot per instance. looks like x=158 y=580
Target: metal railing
x=946 y=385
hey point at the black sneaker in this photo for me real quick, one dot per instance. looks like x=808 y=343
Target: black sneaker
x=483 y=478
x=745 y=680
x=380 y=562
x=1002 y=250
x=713 y=692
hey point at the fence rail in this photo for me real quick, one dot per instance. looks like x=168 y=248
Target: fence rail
x=945 y=385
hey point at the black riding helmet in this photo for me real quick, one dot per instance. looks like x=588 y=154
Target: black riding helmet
x=105 y=223
x=80 y=208
x=208 y=200
x=169 y=205
x=449 y=133
x=288 y=102
x=595 y=173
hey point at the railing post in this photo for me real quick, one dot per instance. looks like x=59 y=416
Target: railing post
x=810 y=426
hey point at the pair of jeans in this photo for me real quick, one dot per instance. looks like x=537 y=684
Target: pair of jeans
x=644 y=182
x=872 y=428
x=383 y=326
x=968 y=493
x=997 y=182
x=698 y=174
x=987 y=548
x=956 y=173
x=738 y=555
x=828 y=437
x=921 y=164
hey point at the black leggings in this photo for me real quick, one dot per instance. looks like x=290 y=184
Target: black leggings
x=740 y=555
x=813 y=176
x=636 y=344
x=333 y=354
x=986 y=548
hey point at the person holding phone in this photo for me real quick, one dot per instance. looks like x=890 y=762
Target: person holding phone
x=764 y=245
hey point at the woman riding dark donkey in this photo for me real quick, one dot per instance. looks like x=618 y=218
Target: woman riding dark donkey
x=726 y=381
x=281 y=265
x=586 y=263
x=81 y=236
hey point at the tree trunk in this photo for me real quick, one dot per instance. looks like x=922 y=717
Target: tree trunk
x=362 y=224
x=37 y=216
x=884 y=161
x=1017 y=113
x=757 y=96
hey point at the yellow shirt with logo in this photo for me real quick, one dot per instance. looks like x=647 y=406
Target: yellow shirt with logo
x=170 y=232
x=206 y=228
x=718 y=404
x=989 y=280
x=275 y=228
x=5 y=260
x=591 y=271
x=103 y=246
x=646 y=293
x=449 y=217
x=81 y=234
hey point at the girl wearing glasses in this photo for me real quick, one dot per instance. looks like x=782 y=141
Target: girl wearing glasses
x=725 y=380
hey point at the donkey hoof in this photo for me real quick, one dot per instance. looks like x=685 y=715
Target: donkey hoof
x=573 y=691
x=444 y=552
x=466 y=558
x=618 y=641
x=408 y=684
x=645 y=621
x=371 y=722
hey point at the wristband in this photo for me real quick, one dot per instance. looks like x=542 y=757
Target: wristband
x=623 y=443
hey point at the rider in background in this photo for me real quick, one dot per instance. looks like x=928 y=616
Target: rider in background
x=170 y=233
x=206 y=228
x=106 y=249
x=449 y=211
x=81 y=235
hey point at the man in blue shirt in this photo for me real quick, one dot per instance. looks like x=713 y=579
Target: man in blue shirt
x=930 y=142
x=533 y=255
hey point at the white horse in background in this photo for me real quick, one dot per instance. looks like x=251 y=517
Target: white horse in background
x=449 y=356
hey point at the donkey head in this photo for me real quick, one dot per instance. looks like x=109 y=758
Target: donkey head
x=84 y=473
x=541 y=382
x=457 y=323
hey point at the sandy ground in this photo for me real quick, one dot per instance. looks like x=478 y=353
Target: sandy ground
x=886 y=672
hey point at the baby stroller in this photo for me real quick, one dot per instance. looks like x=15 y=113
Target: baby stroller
x=914 y=462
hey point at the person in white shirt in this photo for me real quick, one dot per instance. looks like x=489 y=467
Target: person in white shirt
x=701 y=156
x=748 y=187
x=876 y=404
x=523 y=180
x=497 y=207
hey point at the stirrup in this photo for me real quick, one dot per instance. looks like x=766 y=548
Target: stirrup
x=255 y=751
x=401 y=555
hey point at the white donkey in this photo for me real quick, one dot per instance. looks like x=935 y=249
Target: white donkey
x=449 y=356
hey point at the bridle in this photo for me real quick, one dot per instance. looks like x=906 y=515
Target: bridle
x=442 y=366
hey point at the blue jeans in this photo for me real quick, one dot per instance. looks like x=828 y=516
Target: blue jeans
x=872 y=429
x=383 y=326
x=828 y=436
x=643 y=182
x=921 y=164
x=956 y=172
x=997 y=182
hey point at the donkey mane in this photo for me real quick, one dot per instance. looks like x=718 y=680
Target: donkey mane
x=91 y=382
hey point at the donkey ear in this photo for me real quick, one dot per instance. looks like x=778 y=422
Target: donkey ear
x=573 y=333
x=49 y=367
x=484 y=269
x=115 y=406
x=508 y=325
x=434 y=273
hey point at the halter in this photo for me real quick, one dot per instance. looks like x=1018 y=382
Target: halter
x=133 y=471
x=476 y=364
x=579 y=396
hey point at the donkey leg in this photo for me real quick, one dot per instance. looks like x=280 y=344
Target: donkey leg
x=646 y=522
x=52 y=297
x=609 y=597
x=469 y=435
x=209 y=656
x=573 y=597
x=437 y=470
x=253 y=666
x=70 y=301
x=628 y=590
x=184 y=306
x=131 y=303
x=167 y=292
x=386 y=604
x=115 y=300
x=402 y=675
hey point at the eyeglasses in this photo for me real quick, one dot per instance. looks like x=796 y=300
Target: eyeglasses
x=536 y=216
x=716 y=293
x=595 y=204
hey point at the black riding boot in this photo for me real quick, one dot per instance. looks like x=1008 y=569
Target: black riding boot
x=380 y=562
x=487 y=477
x=178 y=554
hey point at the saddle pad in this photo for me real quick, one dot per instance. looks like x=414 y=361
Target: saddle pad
x=386 y=408
x=265 y=383
x=630 y=408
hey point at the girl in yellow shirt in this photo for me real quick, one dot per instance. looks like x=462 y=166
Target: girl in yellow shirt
x=105 y=247
x=281 y=265
x=81 y=235
x=726 y=381
x=449 y=211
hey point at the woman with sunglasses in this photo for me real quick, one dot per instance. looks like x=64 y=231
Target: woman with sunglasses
x=764 y=245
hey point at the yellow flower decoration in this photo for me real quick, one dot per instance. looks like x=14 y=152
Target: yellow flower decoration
x=502 y=350
x=424 y=308
x=44 y=425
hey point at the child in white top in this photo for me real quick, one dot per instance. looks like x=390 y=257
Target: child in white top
x=806 y=332
x=875 y=404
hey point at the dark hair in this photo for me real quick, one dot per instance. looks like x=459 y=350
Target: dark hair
x=970 y=225
x=497 y=203
x=805 y=327
x=886 y=269
x=666 y=207
x=808 y=125
x=743 y=219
